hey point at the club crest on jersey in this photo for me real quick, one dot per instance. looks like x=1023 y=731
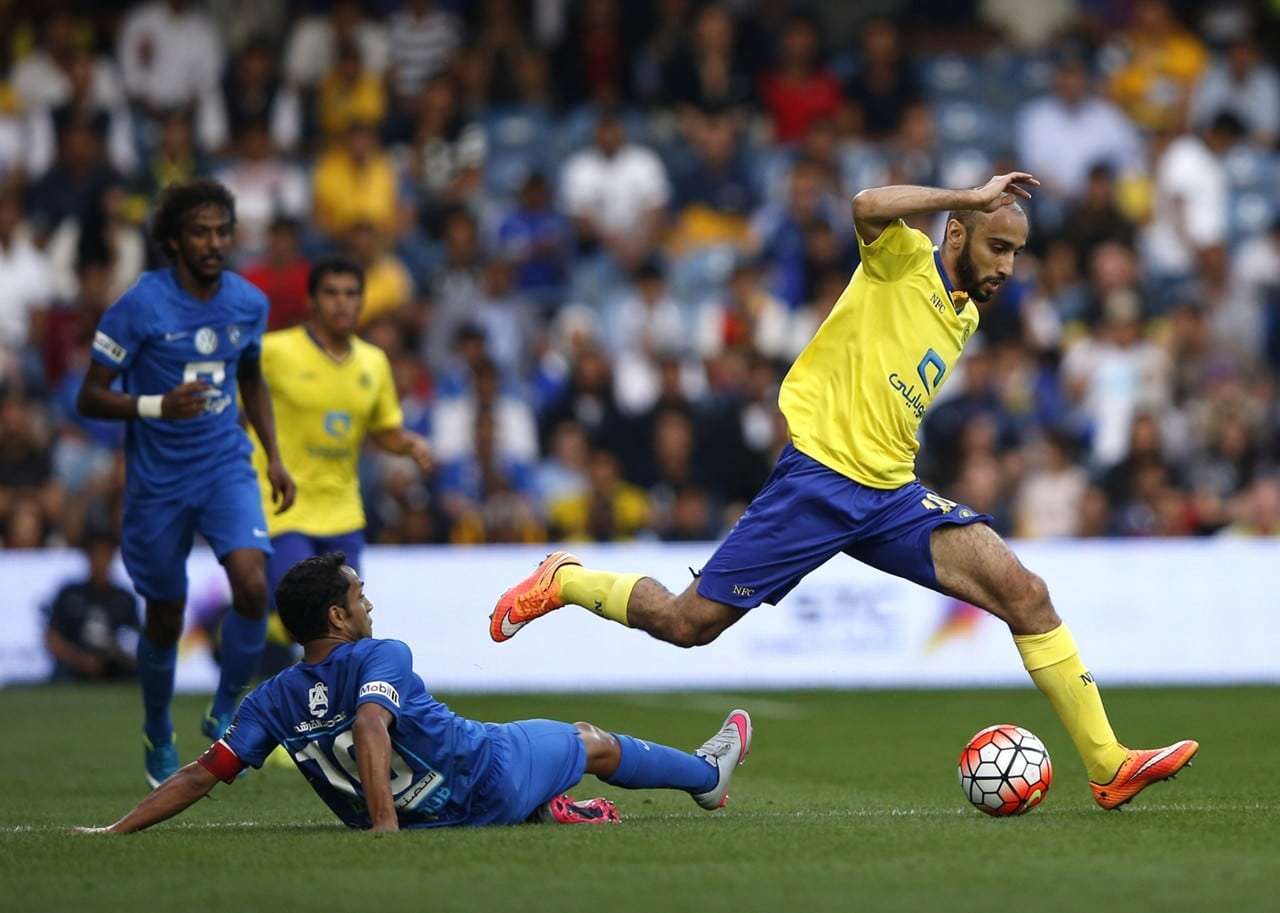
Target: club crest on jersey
x=206 y=341
x=318 y=699
x=233 y=335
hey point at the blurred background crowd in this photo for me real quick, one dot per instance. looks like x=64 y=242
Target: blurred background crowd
x=597 y=232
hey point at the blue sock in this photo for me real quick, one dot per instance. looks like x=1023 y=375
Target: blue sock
x=648 y=765
x=242 y=642
x=155 y=672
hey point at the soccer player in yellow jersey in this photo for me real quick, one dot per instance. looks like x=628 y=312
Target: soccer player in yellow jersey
x=846 y=481
x=330 y=390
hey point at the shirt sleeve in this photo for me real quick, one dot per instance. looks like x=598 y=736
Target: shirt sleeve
x=898 y=252
x=248 y=737
x=385 y=675
x=386 y=410
x=253 y=347
x=121 y=333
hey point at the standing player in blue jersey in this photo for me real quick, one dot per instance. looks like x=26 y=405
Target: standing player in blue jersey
x=383 y=754
x=182 y=339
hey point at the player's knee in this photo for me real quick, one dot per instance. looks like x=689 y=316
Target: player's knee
x=164 y=624
x=1027 y=604
x=686 y=631
x=602 y=747
x=249 y=596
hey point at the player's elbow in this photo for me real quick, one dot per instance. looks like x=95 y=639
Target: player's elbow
x=864 y=207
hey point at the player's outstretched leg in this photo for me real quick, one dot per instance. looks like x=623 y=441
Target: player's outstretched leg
x=622 y=760
x=157 y=659
x=974 y=564
x=244 y=636
x=633 y=600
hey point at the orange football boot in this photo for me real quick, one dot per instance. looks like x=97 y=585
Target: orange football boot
x=1141 y=769
x=531 y=598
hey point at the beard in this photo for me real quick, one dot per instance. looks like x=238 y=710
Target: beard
x=970 y=282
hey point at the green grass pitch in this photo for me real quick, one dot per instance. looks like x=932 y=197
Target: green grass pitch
x=848 y=802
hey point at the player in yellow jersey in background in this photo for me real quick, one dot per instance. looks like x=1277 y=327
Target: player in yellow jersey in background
x=330 y=390
x=846 y=482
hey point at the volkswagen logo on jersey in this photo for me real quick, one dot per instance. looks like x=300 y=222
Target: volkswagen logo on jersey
x=206 y=340
x=318 y=699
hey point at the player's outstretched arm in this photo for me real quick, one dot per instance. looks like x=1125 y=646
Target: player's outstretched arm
x=875 y=207
x=174 y=795
x=373 y=758
x=97 y=400
x=257 y=408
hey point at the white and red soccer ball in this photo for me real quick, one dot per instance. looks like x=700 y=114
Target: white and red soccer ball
x=1005 y=770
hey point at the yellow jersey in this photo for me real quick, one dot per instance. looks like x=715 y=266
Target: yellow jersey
x=854 y=397
x=323 y=409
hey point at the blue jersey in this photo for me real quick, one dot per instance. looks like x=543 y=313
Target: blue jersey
x=437 y=757
x=159 y=336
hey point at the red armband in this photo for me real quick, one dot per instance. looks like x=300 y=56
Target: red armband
x=221 y=761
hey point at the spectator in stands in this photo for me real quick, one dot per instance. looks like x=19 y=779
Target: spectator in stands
x=611 y=510
x=171 y=56
x=1188 y=226
x=494 y=64
x=1061 y=136
x=1258 y=513
x=266 y=185
x=708 y=72
x=175 y=159
x=388 y=288
x=643 y=325
x=801 y=89
x=103 y=232
x=312 y=49
x=26 y=288
x=1094 y=216
x=423 y=43
x=593 y=62
x=444 y=160
x=282 y=273
x=1161 y=63
x=1244 y=84
x=349 y=94
x=714 y=193
x=782 y=230
x=562 y=474
x=746 y=316
x=537 y=240
x=1050 y=497
x=884 y=85
x=1029 y=27
x=355 y=182
x=1255 y=297
x=1114 y=375
x=253 y=92
x=77 y=178
x=616 y=192
x=30 y=496
x=93 y=623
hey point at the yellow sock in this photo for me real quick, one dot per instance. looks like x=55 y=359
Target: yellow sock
x=1055 y=667
x=602 y=592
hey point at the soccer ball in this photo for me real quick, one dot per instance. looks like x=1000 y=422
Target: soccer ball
x=1005 y=770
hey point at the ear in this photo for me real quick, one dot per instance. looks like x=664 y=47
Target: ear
x=955 y=233
x=337 y=617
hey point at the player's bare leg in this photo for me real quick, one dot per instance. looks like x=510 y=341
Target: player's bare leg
x=686 y=620
x=244 y=633
x=974 y=564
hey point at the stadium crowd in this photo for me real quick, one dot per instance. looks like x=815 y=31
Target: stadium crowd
x=596 y=233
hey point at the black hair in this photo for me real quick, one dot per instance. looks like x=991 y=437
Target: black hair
x=1228 y=123
x=969 y=217
x=177 y=201
x=307 y=590
x=334 y=264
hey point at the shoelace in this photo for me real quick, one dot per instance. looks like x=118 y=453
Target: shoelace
x=719 y=744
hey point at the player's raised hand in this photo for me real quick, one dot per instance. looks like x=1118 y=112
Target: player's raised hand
x=283 y=489
x=1004 y=190
x=185 y=400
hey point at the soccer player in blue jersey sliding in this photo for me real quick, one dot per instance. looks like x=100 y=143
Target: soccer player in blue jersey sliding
x=182 y=339
x=383 y=754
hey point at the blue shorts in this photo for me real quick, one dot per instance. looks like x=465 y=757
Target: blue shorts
x=806 y=513
x=535 y=761
x=157 y=532
x=290 y=548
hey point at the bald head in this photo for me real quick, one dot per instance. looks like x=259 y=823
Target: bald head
x=971 y=218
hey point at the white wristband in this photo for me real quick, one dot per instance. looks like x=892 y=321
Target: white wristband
x=150 y=406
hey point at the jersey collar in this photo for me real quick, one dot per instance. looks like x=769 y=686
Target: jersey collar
x=325 y=352
x=959 y=300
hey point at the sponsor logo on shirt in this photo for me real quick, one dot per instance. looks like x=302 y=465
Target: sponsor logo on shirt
x=306 y=726
x=109 y=347
x=318 y=699
x=380 y=688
